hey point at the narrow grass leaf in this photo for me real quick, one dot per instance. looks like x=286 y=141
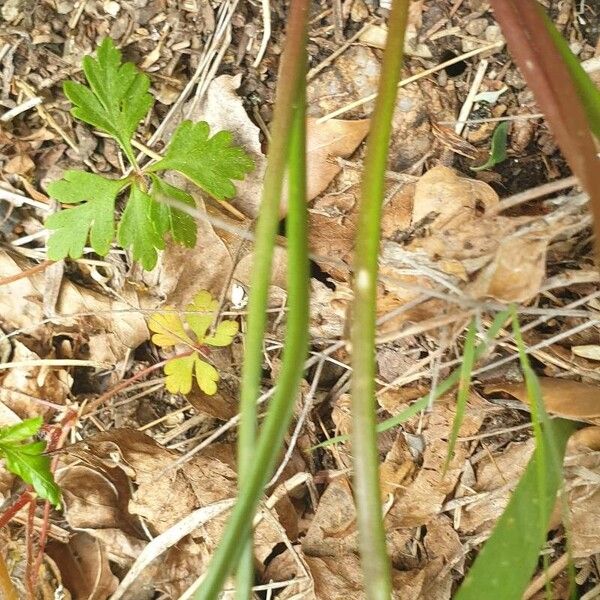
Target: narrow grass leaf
x=498 y=149
x=506 y=562
x=445 y=386
x=464 y=383
x=588 y=92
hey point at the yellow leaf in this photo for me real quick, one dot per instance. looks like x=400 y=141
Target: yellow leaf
x=223 y=335
x=203 y=308
x=179 y=374
x=168 y=329
x=206 y=376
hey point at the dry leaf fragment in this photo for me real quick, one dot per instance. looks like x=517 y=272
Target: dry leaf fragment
x=84 y=567
x=325 y=142
x=589 y=351
x=562 y=397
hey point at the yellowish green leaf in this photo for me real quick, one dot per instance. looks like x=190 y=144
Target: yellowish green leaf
x=179 y=374
x=200 y=313
x=168 y=329
x=224 y=334
x=206 y=376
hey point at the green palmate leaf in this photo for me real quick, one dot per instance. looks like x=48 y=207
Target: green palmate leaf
x=27 y=459
x=498 y=149
x=137 y=228
x=20 y=431
x=168 y=219
x=94 y=214
x=210 y=162
x=117 y=98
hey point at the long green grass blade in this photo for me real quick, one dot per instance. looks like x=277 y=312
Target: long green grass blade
x=371 y=533
x=462 y=396
x=586 y=89
x=507 y=561
x=442 y=388
x=262 y=453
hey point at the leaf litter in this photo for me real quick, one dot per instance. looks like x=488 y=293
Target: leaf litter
x=449 y=252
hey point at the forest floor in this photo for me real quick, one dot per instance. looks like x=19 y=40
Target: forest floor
x=458 y=244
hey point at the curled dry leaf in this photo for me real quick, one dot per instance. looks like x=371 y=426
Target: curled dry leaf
x=84 y=567
x=124 y=476
x=115 y=325
x=562 y=397
x=324 y=143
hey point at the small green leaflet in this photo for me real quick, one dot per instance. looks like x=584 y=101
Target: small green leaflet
x=180 y=225
x=117 y=98
x=27 y=460
x=94 y=214
x=498 y=150
x=137 y=229
x=170 y=330
x=210 y=162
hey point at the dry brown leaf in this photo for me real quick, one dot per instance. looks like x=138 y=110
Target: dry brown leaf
x=124 y=476
x=496 y=477
x=325 y=142
x=113 y=327
x=419 y=500
x=84 y=567
x=586 y=438
x=336 y=578
x=353 y=75
x=582 y=476
x=562 y=397
x=589 y=351
x=21 y=386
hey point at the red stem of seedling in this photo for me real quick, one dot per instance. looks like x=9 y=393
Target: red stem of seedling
x=94 y=404
x=57 y=439
x=26 y=497
x=29 y=528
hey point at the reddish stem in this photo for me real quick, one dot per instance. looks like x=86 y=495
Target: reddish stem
x=12 y=278
x=29 y=529
x=94 y=404
x=57 y=439
x=21 y=501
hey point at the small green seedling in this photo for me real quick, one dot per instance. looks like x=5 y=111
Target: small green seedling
x=26 y=459
x=170 y=330
x=115 y=101
x=498 y=149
